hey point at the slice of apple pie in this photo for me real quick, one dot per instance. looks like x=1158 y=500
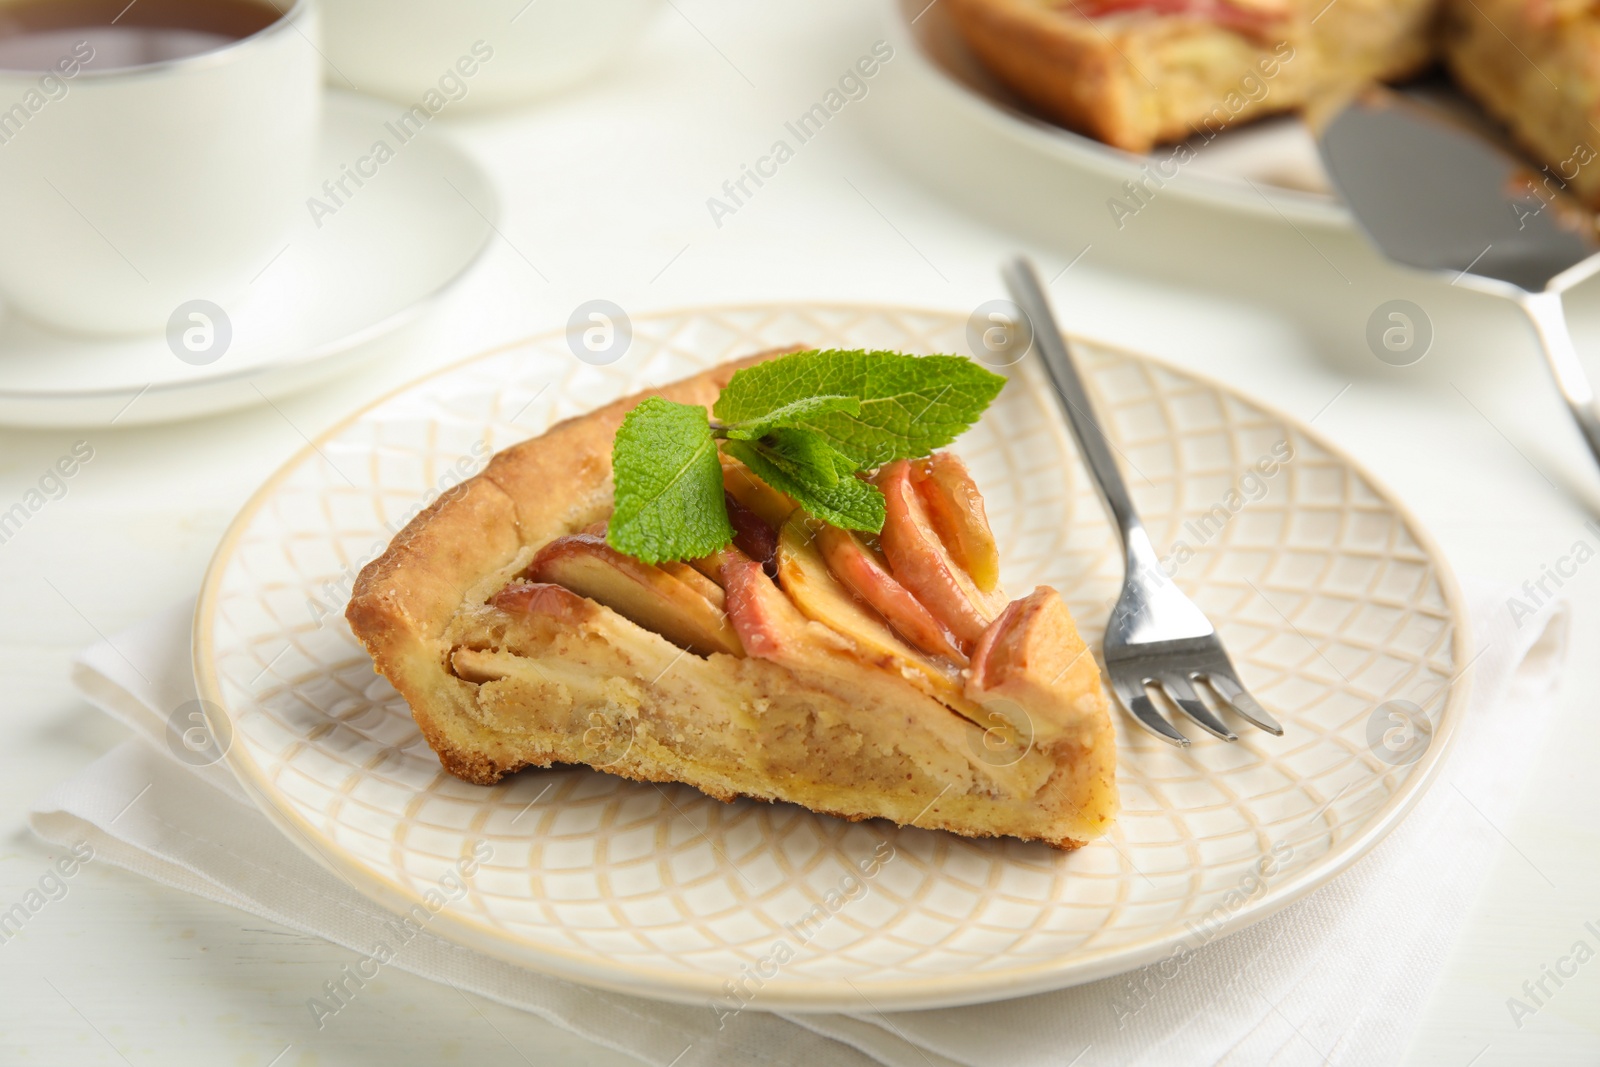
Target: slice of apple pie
x=858 y=675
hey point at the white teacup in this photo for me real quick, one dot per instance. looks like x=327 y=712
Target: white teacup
x=516 y=49
x=157 y=162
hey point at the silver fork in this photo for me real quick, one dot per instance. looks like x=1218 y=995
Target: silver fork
x=1156 y=637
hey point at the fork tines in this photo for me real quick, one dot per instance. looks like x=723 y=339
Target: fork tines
x=1176 y=668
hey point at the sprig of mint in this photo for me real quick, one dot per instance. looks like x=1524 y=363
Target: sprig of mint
x=791 y=414
x=668 y=484
x=805 y=424
x=842 y=499
x=910 y=405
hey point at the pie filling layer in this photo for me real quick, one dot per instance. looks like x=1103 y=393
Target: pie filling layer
x=833 y=665
x=863 y=676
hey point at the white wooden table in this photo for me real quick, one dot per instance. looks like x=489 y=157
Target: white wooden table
x=606 y=194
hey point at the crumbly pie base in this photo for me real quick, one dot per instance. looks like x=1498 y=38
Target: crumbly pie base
x=501 y=675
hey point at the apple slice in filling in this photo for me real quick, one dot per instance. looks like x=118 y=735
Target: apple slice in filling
x=1033 y=669
x=920 y=561
x=697 y=581
x=804 y=575
x=868 y=577
x=740 y=483
x=752 y=534
x=956 y=510
x=646 y=595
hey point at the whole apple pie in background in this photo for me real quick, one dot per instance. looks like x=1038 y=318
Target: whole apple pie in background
x=863 y=677
x=1140 y=73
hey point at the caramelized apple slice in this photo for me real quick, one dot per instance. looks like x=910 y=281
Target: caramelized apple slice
x=771 y=627
x=1028 y=662
x=921 y=563
x=697 y=581
x=752 y=534
x=956 y=509
x=767 y=623
x=772 y=506
x=541 y=598
x=865 y=575
x=804 y=575
x=710 y=568
x=646 y=595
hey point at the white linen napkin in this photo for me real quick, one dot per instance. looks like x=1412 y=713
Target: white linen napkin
x=1337 y=978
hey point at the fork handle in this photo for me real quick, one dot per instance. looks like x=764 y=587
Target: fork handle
x=1550 y=320
x=1023 y=282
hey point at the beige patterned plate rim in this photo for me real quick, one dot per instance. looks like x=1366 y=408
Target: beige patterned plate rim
x=941 y=990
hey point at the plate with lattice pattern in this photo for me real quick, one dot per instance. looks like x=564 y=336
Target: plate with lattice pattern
x=1339 y=612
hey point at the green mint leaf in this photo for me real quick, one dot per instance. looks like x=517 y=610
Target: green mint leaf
x=846 y=501
x=669 y=502
x=810 y=452
x=909 y=405
x=792 y=414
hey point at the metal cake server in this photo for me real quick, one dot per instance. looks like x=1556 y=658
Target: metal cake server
x=1436 y=193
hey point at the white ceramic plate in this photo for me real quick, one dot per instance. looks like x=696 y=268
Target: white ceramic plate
x=1330 y=598
x=366 y=270
x=1265 y=168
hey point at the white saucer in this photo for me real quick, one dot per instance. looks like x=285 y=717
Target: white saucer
x=371 y=266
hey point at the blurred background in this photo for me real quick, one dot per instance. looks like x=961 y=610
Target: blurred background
x=608 y=180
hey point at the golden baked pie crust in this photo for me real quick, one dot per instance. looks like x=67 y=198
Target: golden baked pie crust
x=493 y=692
